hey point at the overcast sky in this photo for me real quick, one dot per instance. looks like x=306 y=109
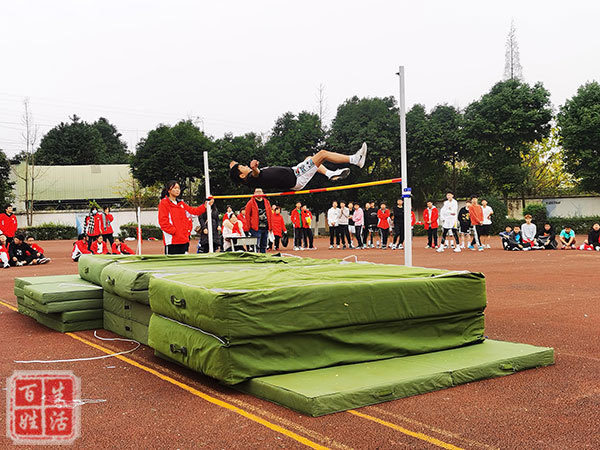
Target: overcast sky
x=238 y=65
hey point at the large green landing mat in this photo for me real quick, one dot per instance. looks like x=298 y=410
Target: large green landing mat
x=284 y=298
x=59 y=307
x=236 y=360
x=127 y=309
x=130 y=279
x=333 y=389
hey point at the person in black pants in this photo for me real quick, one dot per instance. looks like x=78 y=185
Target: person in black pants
x=398 y=216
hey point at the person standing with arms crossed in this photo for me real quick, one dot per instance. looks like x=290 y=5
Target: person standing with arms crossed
x=333 y=216
x=476 y=216
x=296 y=218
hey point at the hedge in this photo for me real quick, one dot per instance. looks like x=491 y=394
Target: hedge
x=50 y=231
x=148 y=231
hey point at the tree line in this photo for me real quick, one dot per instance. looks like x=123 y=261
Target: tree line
x=509 y=142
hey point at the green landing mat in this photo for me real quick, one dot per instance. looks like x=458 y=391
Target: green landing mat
x=339 y=388
x=59 y=307
x=127 y=328
x=25 y=281
x=49 y=321
x=59 y=292
x=126 y=308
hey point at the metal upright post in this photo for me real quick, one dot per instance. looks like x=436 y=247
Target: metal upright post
x=406 y=195
x=211 y=248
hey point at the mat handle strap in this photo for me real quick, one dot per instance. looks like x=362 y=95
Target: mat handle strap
x=179 y=302
x=178 y=349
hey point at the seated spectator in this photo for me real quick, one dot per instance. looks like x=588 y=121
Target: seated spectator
x=120 y=248
x=80 y=247
x=504 y=234
x=593 y=240
x=232 y=228
x=31 y=241
x=4 y=258
x=546 y=238
x=566 y=238
x=20 y=253
x=99 y=247
x=514 y=240
x=528 y=231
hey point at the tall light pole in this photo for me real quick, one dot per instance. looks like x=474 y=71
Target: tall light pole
x=406 y=194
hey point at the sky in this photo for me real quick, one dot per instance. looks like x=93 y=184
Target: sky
x=236 y=66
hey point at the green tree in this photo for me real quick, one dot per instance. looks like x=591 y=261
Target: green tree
x=79 y=142
x=501 y=126
x=579 y=123
x=374 y=121
x=6 y=186
x=116 y=149
x=171 y=153
x=545 y=164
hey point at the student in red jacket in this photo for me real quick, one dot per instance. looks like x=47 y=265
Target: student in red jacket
x=120 y=248
x=476 y=216
x=93 y=226
x=430 y=219
x=296 y=218
x=106 y=219
x=260 y=218
x=80 y=248
x=307 y=230
x=278 y=226
x=174 y=218
x=242 y=218
x=99 y=247
x=8 y=223
x=383 y=223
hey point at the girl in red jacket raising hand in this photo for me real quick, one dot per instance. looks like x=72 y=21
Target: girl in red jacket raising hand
x=175 y=219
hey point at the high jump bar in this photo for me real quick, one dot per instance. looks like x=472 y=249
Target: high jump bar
x=314 y=191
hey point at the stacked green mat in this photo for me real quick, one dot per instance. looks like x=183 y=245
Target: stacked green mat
x=235 y=325
x=63 y=302
x=126 y=282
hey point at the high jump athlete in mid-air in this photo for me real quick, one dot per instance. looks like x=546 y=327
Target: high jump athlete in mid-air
x=295 y=178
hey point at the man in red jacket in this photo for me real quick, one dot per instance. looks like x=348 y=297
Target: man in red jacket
x=430 y=219
x=260 y=218
x=383 y=223
x=296 y=218
x=8 y=223
x=476 y=216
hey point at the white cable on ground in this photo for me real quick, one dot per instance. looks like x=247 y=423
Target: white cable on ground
x=87 y=359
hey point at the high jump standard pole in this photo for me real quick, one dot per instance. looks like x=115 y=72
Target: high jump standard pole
x=211 y=248
x=403 y=170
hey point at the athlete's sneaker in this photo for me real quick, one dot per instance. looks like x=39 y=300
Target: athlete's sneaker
x=340 y=174
x=488 y=246
x=362 y=155
x=330 y=247
x=457 y=249
x=480 y=249
x=471 y=247
x=427 y=246
x=393 y=246
x=440 y=249
x=43 y=260
x=20 y=263
x=338 y=246
x=296 y=248
x=400 y=247
x=6 y=265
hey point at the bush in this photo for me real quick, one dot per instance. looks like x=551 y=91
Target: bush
x=148 y=231
x=537 y=211
x=581 y=225
x=50 y=231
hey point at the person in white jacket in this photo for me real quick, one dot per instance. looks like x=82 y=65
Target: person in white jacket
x=333 y=216
x=449 y=219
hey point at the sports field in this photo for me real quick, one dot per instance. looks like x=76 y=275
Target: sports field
x=546 y=298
